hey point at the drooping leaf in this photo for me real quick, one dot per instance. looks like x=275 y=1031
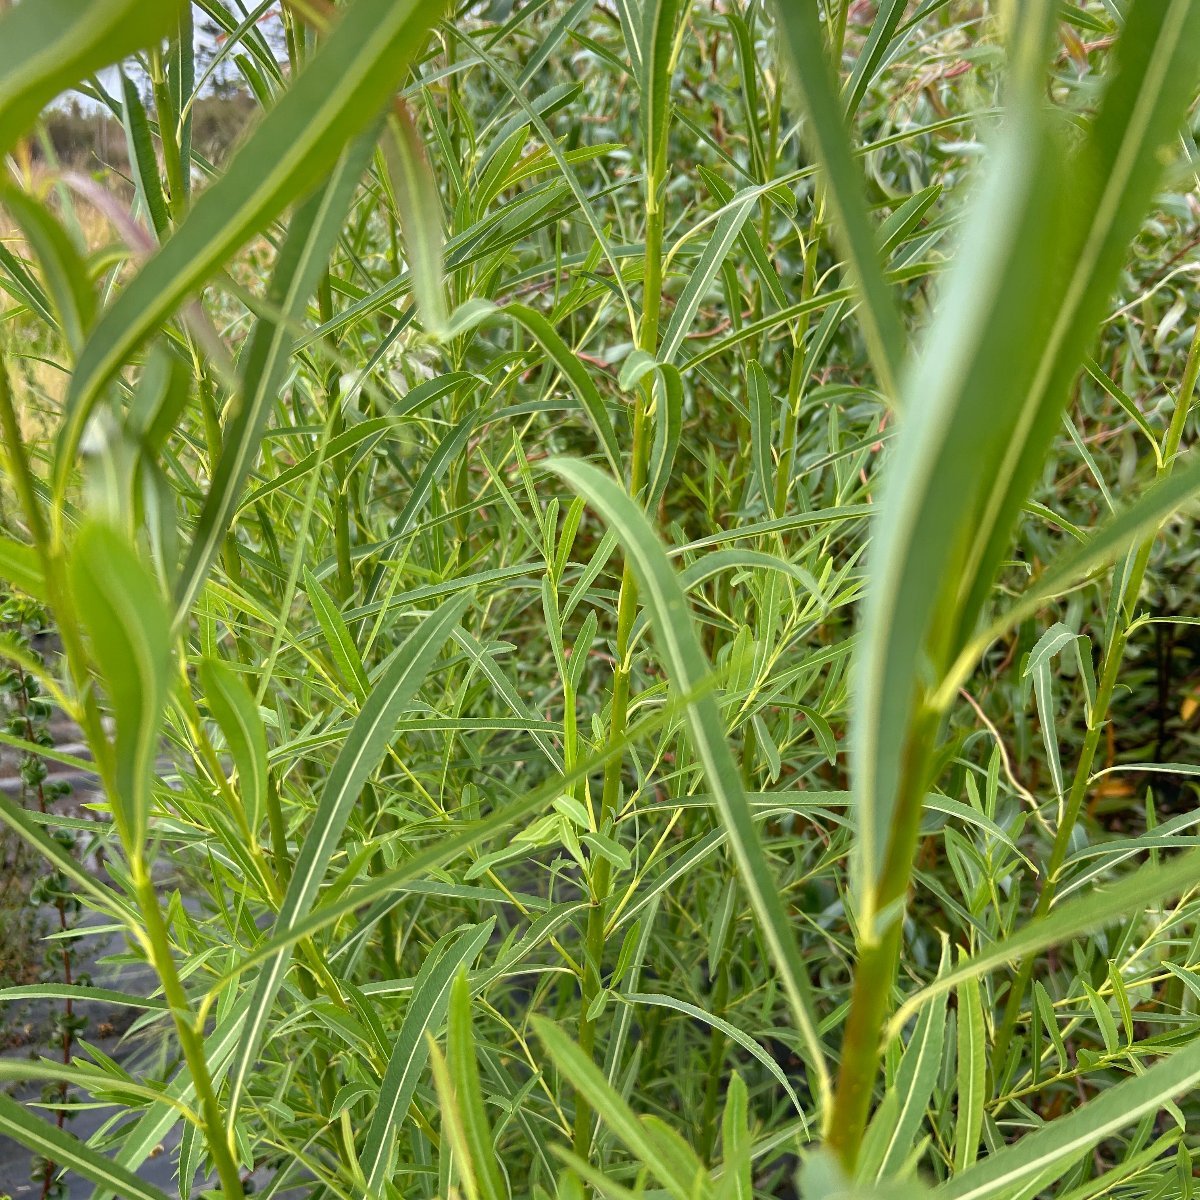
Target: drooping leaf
x=420 y=215
x=233 y=707
x=68 y=283
x=124 y=611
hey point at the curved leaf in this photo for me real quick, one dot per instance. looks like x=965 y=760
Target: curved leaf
x=341 y=90
x=373 y=729
x=676 y=637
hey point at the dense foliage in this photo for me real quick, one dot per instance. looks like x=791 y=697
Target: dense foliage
x=626 y=572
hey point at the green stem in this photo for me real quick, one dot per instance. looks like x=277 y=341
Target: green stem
x=168 y=135
x=191 y=1042
x=873 y=975
x=879 y=951
x=157 y=939
x=627 y=605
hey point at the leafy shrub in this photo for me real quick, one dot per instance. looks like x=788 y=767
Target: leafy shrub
x=598 y=557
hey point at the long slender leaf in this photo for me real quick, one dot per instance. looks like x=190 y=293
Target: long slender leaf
x=685 y=660
x=608 y=1103
x=464 y=1071
x=131 y=640
x=339 y=93
x=365 y=745
x=1053 y=238
x=1101 y=907
x=311 y=237
x=231 y=704
x=421 y=215
x=1062 y=1140
x=826 y=131
x=67 y=1150
x=426 y=1010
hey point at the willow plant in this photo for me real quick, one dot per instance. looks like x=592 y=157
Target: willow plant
x=523 y=525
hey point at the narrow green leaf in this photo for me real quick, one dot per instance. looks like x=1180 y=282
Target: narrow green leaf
x=563 y=358
x=424 y=1015
x=1057 y=638
x=800 y=26
x=972 y=1074
x=68 y=1151
x=464 y=1071
x=455 y=1162
x=1117 y=1107
x=1116 y=535
x=1121 y=995
x=1102 y=906
x=629 y=16
x=373 y=729
x=265 y=361
x=729 y=225
x=730 y=1031
x=656 y=48
x=607 y=1102
x=23 y=287
x=74 y=991
x=1127 y=403
x=916 y=1079
x=159 y=399
x=668 y=427
x=1044 y=1007
x=420 y=208
x=576 y=375
x=100 y=1083
x=20 y=566
x=234 y=709
x=142 y=158
x=676 y=637
x=737 y=1174
x=341 y=90
x=68 y=283
x=337 y=636
x=124 y=612
x=762 y=424
x=1104 y=1018
x=875 y=50
x=50 y=45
